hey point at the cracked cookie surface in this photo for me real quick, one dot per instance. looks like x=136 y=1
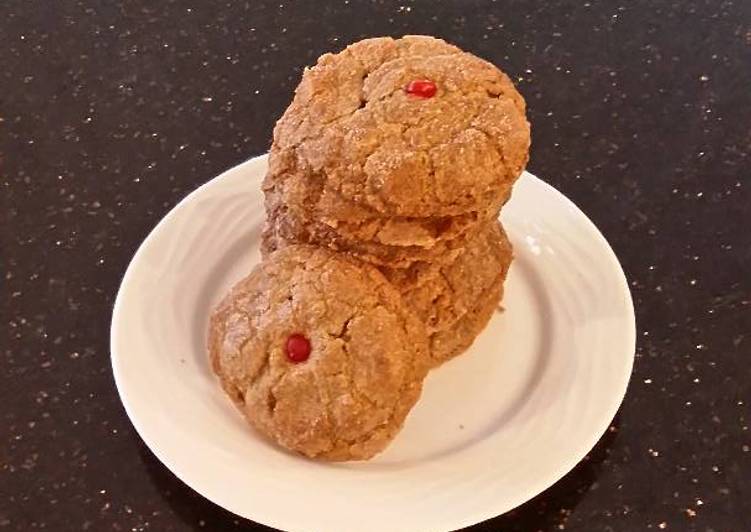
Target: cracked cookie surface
x=353 y=126
x=283 y=228
x=453 y=341
x=308 y=202
x=368 y=353
x=442 y=294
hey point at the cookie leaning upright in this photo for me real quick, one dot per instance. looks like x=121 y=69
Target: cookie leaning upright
x=319 y=353
x=395 y=143
x=456 y=299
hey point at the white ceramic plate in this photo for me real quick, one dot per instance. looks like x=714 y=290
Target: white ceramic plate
x=494 y=427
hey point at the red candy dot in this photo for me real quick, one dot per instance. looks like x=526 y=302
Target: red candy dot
x=298 y=348
x=422 y=88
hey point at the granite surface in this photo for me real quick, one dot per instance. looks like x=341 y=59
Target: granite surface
x=112 y=112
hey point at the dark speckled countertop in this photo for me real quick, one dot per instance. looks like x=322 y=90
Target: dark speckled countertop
x=110 y=114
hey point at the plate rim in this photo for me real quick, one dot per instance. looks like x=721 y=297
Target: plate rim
x=468 y=519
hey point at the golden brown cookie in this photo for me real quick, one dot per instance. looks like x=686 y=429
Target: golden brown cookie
x=442 y=294
x=319 y=353
x=283 y=229
x=453 y=341
x=308 y=202
x=362 y=124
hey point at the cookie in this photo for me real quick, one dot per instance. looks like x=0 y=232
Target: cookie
x=307 y=201
x=319 y=353
x=442 y=294
x=283 y=228
x=410 y=127
x=453 y=341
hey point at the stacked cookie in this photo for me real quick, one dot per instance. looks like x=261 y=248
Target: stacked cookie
x=401 y=153
x=382 y=253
